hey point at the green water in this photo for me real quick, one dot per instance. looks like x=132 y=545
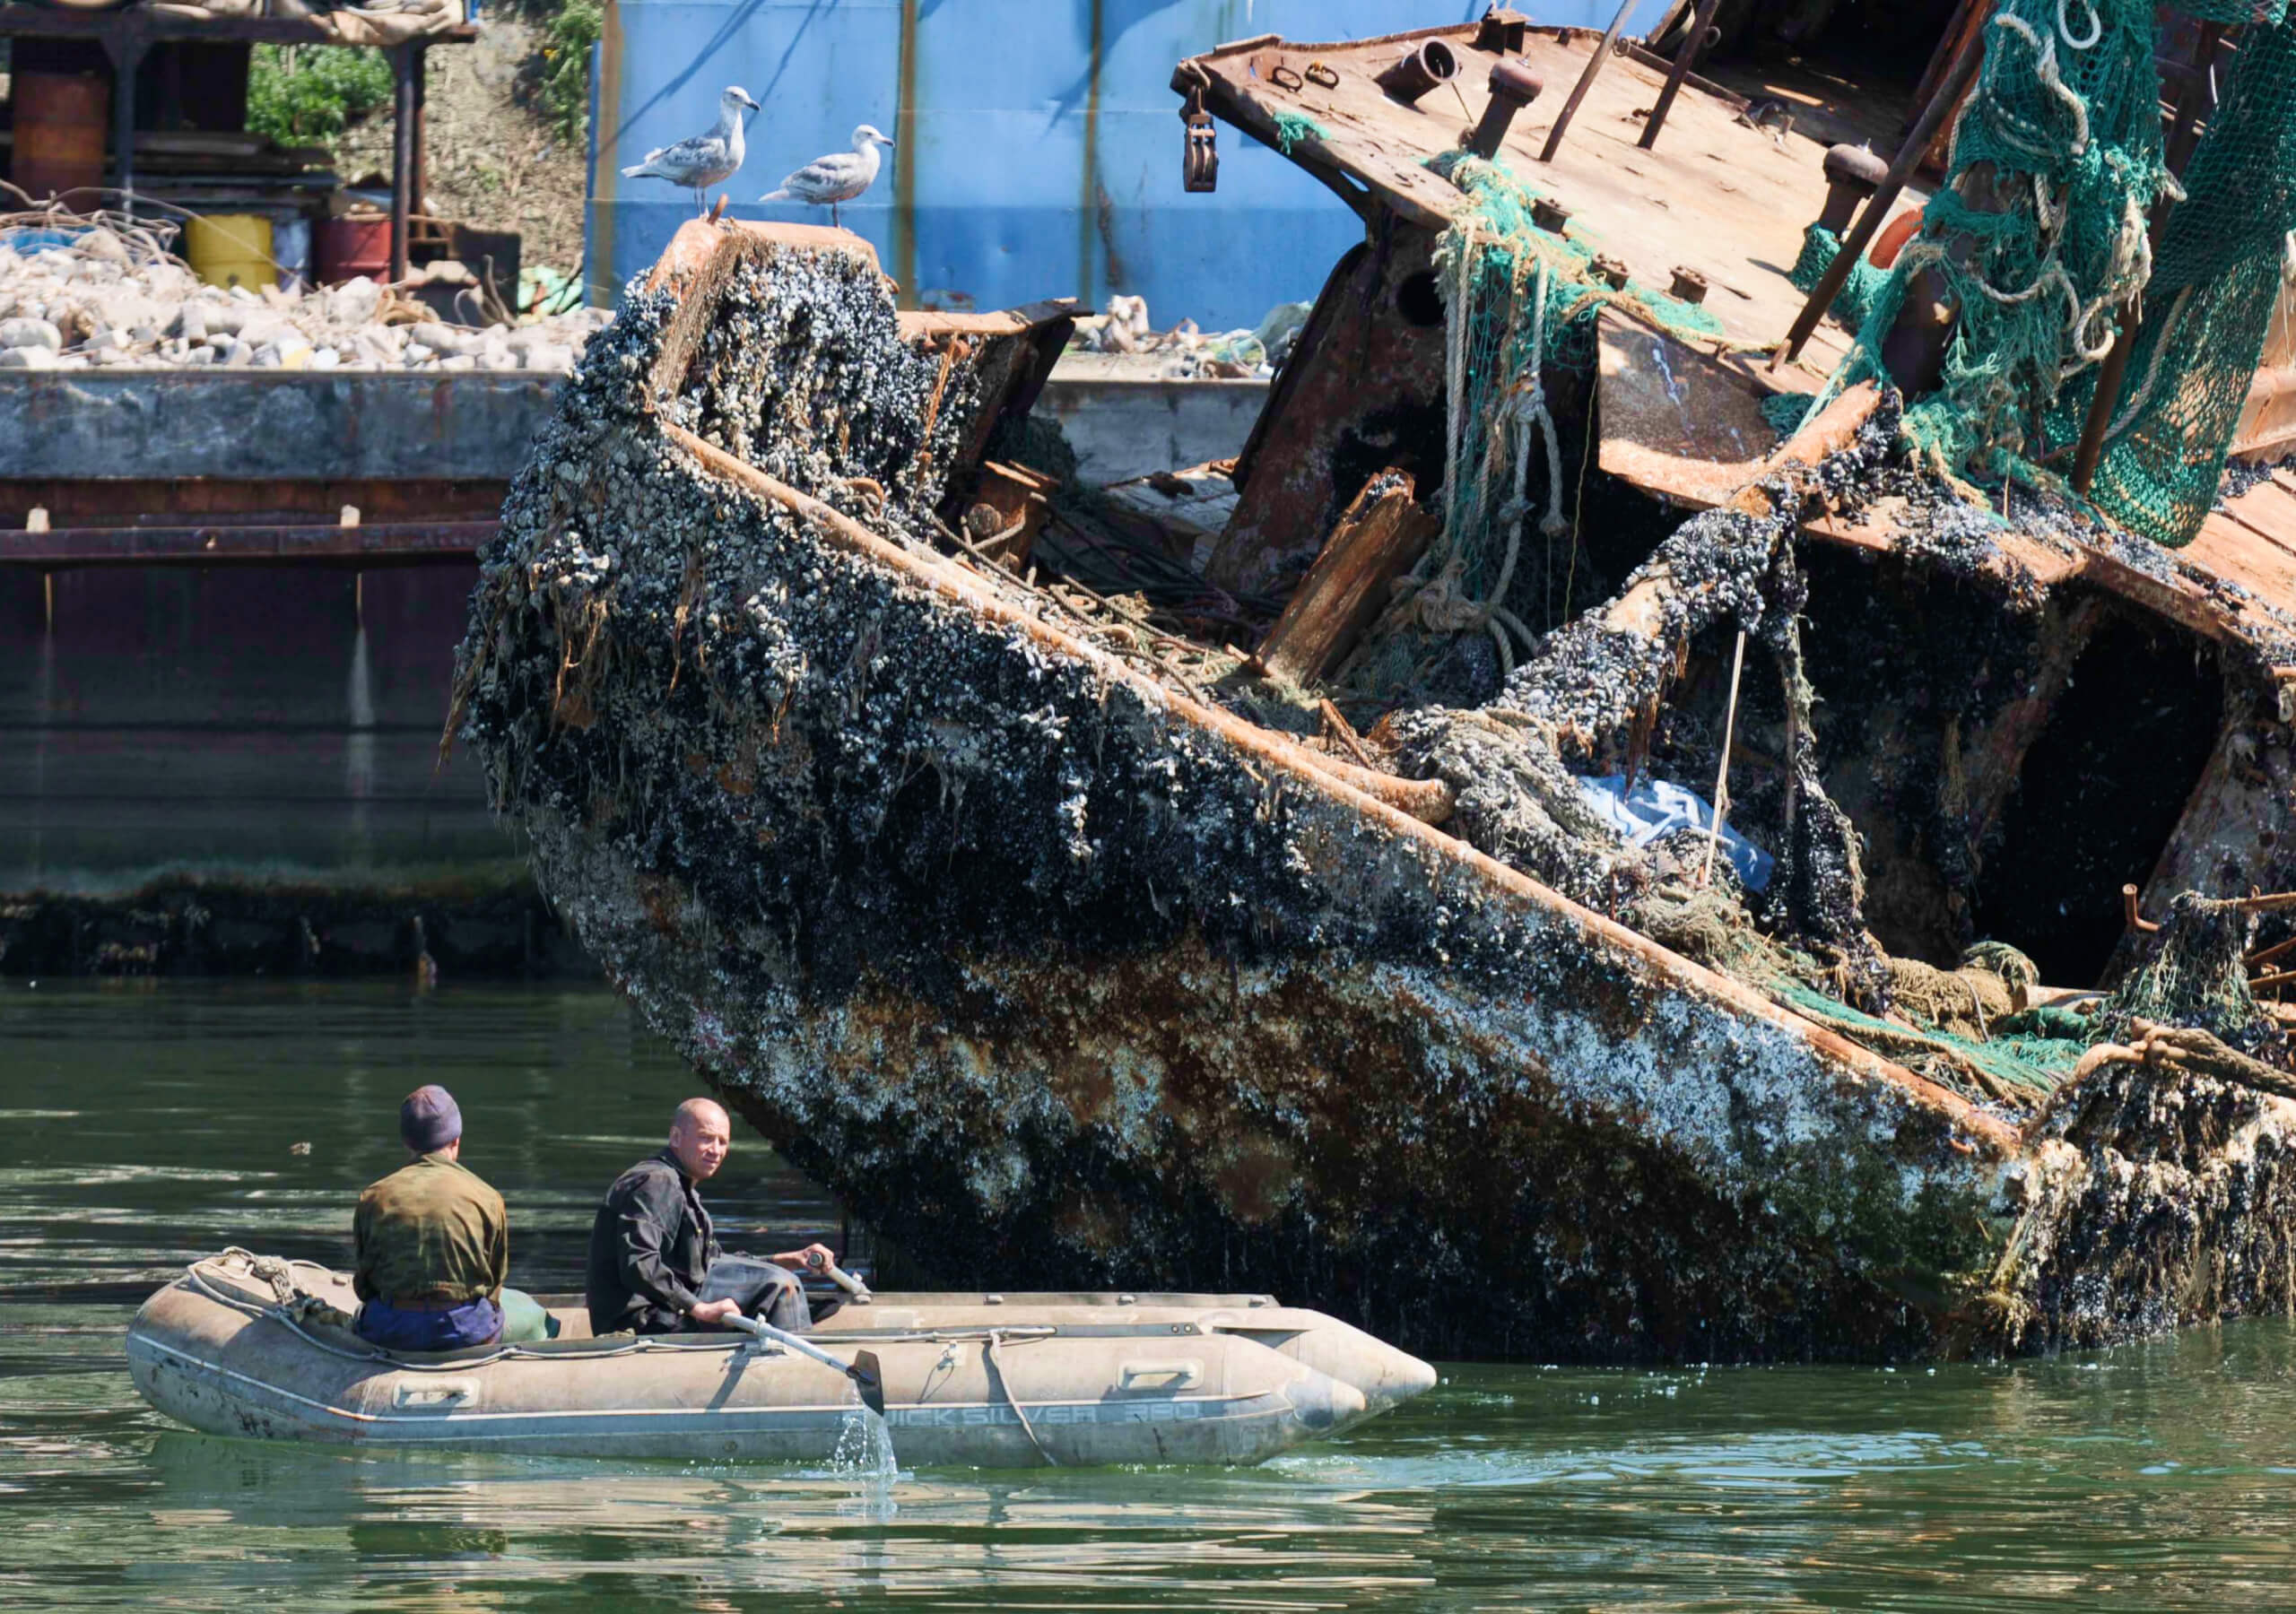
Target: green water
x=140 y=1127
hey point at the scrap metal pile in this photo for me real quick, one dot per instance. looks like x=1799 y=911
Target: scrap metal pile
x=79 y=295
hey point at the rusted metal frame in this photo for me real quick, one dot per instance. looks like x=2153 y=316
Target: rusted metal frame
x=272 y=501
x=1877 y=205
x=1384 y=800
x=1586 y=81
x=413 y=543
x=1696 y=41
x=2115 y=368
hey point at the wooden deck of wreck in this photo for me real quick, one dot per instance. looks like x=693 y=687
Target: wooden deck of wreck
x=1713 y=194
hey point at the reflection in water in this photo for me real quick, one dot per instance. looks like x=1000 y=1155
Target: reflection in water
x=137 y=1127
x=358 y=749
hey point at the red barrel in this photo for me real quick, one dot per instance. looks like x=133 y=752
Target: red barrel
x=355 y=244
x=60 y=121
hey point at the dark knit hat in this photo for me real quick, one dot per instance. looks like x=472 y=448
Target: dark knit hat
x=429 y=1120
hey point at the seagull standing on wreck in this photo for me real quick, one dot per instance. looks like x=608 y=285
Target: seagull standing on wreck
x=702 y=161
x=837 y=177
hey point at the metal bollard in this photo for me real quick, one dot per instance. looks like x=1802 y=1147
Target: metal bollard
x=1853 y=173
x=1513 y=87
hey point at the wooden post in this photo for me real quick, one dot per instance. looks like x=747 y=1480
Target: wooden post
x=1375 y=542
x=1586 y=82
x=1878 y=205
x=403 y=62
x=1699 y=24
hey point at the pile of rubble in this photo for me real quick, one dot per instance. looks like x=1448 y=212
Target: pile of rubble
x=1191 y=354
x=98 y=298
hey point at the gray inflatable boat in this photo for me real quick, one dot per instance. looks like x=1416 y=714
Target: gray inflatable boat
x=248 y=1345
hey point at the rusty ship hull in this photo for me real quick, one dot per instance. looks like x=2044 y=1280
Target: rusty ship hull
x=1061 y=973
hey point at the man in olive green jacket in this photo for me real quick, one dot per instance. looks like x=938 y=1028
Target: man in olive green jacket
x=432 y=1240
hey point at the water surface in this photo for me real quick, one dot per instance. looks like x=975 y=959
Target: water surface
x=144 y=1125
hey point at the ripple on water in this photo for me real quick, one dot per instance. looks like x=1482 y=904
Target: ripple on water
x=2150 y=1478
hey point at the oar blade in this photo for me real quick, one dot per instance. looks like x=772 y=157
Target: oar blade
x=868 y=1380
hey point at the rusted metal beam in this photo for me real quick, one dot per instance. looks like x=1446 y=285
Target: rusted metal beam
x=1878 y=205
x=1691 y=44
x=1586 y=80
x=382 y=544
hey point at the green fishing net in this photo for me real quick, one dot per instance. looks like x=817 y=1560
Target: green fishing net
x=2215 y=279
x=1520 y=304
x=2031 y=1064
x=1293 y=127
x=1855 y=301
x=2039 y=237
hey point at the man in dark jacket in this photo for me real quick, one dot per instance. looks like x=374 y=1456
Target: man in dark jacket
x=655 y=1266
x=431 y=1240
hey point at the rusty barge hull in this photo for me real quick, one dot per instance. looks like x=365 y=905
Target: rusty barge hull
x=1062 y=976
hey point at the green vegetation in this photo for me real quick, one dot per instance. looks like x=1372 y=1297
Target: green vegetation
x=563 y=94
x=306 y=92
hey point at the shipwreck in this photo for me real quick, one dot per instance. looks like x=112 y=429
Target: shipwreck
x=1603 y=833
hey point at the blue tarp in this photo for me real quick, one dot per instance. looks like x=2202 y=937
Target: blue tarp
x=1655 y=807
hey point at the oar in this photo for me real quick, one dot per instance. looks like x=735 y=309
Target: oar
x=862 y=1369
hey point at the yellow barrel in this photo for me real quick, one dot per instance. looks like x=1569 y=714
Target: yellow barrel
x=231 y=249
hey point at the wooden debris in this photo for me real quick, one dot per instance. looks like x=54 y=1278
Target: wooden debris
x=1379 y=539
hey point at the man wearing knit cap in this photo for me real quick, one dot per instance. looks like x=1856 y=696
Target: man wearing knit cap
x=433 y=1241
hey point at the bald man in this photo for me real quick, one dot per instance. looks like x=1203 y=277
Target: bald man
x=655 y=1266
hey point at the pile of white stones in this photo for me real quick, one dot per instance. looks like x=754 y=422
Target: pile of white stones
x=94 y=303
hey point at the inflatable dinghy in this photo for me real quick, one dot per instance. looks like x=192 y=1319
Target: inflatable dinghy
x=249 y=1345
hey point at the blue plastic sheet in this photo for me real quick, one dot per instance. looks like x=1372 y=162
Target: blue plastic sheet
x=1657 y=807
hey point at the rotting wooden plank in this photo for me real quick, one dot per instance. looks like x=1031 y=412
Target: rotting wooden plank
x=1383 y=532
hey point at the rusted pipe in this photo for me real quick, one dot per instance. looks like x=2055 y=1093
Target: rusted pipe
x=1513 y=87
x=2129 y=912
x=1586 y=80
x=1852 y=174
x=1692 y=43
x=1411 y=76
x=1878 y=205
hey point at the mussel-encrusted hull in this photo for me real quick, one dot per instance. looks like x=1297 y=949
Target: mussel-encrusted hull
x=1060 y=978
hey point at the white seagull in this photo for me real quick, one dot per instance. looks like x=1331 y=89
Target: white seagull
x=704 y=160
x=837 y=177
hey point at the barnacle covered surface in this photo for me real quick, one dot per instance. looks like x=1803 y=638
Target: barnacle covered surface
x=1059 y=986
x=1062 y=980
